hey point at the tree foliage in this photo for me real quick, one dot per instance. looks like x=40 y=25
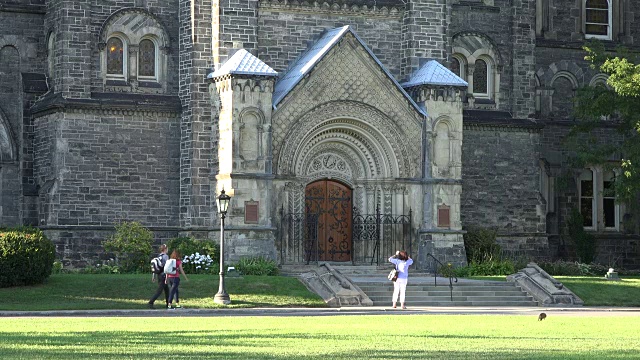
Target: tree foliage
x=617 y=104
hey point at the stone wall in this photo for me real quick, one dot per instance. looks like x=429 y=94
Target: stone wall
x=506 y=24
x=424 y=33
x=77 y=26
x=97 y=168
x=285 y=31
x=197 y=141
x=501 y=183
x=79 y=247
x=21 y=55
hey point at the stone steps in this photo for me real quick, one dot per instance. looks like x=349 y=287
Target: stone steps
x=468 y=293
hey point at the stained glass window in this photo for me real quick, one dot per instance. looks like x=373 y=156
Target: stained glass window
x=480 y=77
x=115 y=56
x=597 y=17
x=455 y=66
x=147 y=61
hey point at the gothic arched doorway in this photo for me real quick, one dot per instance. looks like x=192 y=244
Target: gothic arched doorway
x=330 y=202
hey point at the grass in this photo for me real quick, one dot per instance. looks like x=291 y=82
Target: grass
x=132 y=291
x=334 y=337
x=596 y=291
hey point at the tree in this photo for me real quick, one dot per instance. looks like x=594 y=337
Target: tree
x=617 y=103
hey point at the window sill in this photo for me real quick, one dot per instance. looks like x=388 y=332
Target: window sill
x=149 y=84
x=117 y=83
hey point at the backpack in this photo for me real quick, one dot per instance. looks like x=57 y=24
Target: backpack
x=157 y=264
x=170 y=268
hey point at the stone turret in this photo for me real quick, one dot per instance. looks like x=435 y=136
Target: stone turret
x=241 y=92
x=235 y=26
x=440 y=92
x=424 y=33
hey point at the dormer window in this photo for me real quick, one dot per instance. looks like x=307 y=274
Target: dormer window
x=597 y=19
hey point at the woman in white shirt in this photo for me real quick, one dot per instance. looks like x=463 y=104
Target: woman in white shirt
x=402 y=262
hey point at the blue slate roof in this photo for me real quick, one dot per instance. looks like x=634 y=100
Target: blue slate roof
x=243 y=63
x=434 y=73
x=312 y=56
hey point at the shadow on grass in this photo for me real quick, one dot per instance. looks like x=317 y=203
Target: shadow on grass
x=132 y=291
x=252 y=345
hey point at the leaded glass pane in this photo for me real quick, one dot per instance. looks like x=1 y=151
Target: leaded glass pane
x=597 y=17
x=480 y=77
x=594 y=29
x=597 y=4
x=455 y=66
x=147 y=63
x=115 y=56
x=586 y=209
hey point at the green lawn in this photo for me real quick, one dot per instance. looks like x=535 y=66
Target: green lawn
x=597 y=291
x=124 y=291
x=332 y=337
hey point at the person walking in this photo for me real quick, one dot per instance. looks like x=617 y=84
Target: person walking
x=402 y=262
x=173 y=280
x=161 y=278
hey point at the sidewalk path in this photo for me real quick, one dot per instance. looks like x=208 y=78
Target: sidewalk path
x=370 y=310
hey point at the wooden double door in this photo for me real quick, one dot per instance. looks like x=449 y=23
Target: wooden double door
x=329 y=204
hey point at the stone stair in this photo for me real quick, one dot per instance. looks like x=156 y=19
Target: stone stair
x=421 y=291
x=479 y=293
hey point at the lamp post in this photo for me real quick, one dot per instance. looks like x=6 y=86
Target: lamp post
x=223 y=205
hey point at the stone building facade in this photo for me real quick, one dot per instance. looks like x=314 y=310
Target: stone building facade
x=452 y=111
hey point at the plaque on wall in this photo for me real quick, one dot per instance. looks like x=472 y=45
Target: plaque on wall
x=251 y=212
x=443 y=216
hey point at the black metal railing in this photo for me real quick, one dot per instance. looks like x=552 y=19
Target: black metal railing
x=450 y=274
x=298 y=238
x=377 y=236
x=374 y=237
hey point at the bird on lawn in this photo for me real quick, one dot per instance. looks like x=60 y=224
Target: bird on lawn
x=542 y=316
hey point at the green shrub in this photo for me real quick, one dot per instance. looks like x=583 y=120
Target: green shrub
x=487 y=268
x=26 y=257
x=190 y=246
x=584 y=242
x=257 y=266
x=106 y=267
x=569 y=268
x=57 y=268
x=131 y=243
x=480 y=245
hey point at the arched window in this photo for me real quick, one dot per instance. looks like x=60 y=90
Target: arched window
x=115 y=57
x=481 y=78
x=455 y=66
x=597 y=19
x=50 y=53
x=147 y=59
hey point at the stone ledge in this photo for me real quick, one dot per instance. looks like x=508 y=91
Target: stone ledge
x=334 y=288
x=546 y=290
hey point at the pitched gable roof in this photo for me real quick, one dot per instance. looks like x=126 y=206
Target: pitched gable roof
x=243 y=63
x=314 y=54
x=434 y=73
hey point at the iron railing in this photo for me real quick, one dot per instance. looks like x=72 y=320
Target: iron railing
x=450 y=275
x=374 y=237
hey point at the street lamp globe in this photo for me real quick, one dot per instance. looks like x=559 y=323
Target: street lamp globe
x=223 y=203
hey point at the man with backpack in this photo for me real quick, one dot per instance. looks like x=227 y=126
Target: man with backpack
x=157 y=270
